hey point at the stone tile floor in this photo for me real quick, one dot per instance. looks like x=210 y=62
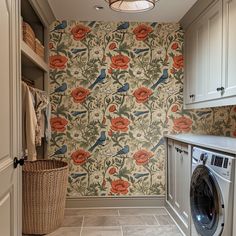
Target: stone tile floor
x=117 y=222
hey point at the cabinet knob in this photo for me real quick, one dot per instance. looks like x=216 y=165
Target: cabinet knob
x=192 y=96
x=220 y=89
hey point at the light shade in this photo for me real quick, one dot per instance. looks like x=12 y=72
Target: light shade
x=131 y=5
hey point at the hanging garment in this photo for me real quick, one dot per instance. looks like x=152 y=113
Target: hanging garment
x=42 y=107
x=29 y=123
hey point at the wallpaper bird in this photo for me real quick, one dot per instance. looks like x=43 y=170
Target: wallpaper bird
x=140 y=113
x=99 y=79
x=122 y=151
x=60 y=89
x=60 y=26
x=140 y=50
x=61 y=151
x=77 y=113
x=162 y=79
x=124 y=88
x=123 y=26
x=100 y=141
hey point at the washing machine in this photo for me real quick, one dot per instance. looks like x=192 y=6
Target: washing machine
x=211 y=193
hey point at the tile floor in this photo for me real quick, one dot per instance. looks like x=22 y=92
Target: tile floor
x=117 y=222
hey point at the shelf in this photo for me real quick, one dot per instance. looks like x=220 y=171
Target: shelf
x=30 y=58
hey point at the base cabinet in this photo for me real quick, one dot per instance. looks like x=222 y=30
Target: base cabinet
x=178 y=182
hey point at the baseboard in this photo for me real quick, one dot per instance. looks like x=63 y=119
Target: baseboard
x=108 y=202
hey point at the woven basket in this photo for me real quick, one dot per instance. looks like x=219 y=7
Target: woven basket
x=28 y=35
x=44 y=193
x=39 y=48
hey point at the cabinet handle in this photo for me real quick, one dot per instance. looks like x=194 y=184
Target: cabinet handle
x=220 y=89
x=192 y=96
x=178 y=150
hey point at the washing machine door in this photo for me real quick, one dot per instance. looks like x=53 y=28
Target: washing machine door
x=206 y=203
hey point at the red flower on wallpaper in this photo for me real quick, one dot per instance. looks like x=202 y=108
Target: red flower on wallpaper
x=79 y=32
x=142 y=31
x=142 y=94
x=175 y=108
x=120 y=186
x=175 y=46
x=57 y=62
x=80 y=156
x=142 y=157
x=112 y=46
x=112 y=171
x=178 y=62
x=120 y=124
x=79 y=94
x=120 y=62
x=58 y=124
x=183 y=124
x=112 y=108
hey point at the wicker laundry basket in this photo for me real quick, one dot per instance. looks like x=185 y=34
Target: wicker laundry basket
x=44 y=193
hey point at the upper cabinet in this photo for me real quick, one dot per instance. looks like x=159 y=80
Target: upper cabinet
x=210 y=56
x=229 y=49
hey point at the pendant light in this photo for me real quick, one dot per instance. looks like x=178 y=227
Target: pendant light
x=132 y=6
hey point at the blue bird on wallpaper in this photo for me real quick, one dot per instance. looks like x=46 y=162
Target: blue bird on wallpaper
x=60 y=26
x=140 y=113
x=154 y=24
x=122 y=151
x=140 y=50
x=162 y=79
x=161 y=142
x=77 y=113
x=124 y=88
x=62 y=150
x=60 y=89
x=78 y=50
x=91 y=24
x=77 y=175
x=123 y=26
x=99 y=79
x=203 y=113
x=140 y=175
x=100 y=142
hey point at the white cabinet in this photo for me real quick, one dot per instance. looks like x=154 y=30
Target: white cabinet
x=229 y=72
x=210 y=56
x=178 y=181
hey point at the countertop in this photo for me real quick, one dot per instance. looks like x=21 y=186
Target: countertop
x=218 y=143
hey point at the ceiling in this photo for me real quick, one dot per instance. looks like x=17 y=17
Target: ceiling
x=83 y=10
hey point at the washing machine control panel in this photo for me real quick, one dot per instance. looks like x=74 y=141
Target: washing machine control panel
x=220 y=163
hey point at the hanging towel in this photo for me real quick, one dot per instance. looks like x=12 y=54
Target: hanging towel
x=29 y=123
x=41 y=106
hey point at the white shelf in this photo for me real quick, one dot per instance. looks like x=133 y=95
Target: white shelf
x=33 y=58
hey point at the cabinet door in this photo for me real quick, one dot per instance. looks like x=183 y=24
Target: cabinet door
x=213 y=21
x=170 y=172
x=203 y=56
x=196 y=62
x=185 y=160
x=229 y=76
x=201 y=60
x=190 y=64
x=178 y=178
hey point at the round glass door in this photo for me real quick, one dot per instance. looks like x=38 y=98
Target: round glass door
x=205 y=202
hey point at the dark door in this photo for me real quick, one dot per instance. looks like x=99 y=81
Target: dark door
x=205 y=201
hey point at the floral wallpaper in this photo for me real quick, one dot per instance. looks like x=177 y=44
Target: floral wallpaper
x=116 y=89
